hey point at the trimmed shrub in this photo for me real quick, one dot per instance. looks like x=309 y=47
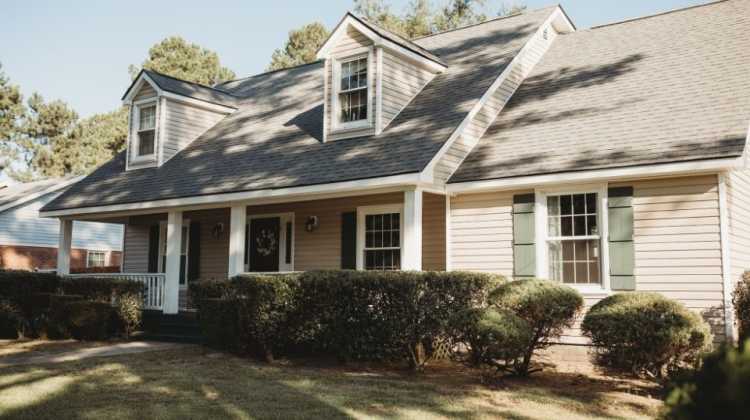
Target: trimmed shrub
x=58 y=325
x=126 y=296
x=495 y=338
x=88 y=320
x=645 y=333
x=11 y=321
x=209 y=289
x=548 y=308
x=264 y=304
x=20 y=287
x=741 y=300
x=718 y=390
x=219 y=323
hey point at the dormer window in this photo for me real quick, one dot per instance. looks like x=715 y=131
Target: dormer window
x=146 y=130
x=353 y=92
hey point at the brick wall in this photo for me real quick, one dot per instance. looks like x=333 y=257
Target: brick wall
x=34 y=257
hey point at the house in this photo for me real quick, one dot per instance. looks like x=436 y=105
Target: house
x=28 y=242
x=610 y=159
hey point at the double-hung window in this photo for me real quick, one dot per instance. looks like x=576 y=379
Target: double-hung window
x=352 y=96
x=96 y=259
x=573 y=238
x=146 y=130
x=382 y=247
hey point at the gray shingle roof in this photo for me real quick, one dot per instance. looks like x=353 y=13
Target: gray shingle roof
x=672 y=87
x=190 y=89
x=18 y=193
x=274 y=139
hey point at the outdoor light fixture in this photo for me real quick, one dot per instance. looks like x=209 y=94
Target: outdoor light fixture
x=311 y=224
x=217 y=230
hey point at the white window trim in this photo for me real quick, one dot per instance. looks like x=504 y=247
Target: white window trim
x=336 y=124
x=135 y=157
x=541 y=233
x=98 y=251
x=284 y=218
x=370 y=210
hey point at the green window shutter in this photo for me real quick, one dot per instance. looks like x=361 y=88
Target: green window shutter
x=524 y=252
x=349 y=241
x=194 y=252
x=621 y=249
x=153 y=248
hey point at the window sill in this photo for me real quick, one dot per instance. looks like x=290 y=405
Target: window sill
x=143 y=159
x=590 y=290
x=353 y=126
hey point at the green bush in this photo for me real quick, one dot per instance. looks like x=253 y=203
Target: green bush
x=548 y=307
x=495 y=338
x=20 y=288
x=100 y=289
x=219 y=323
x=208 y=289
x=720 y=389
x=58 y=323
x=88 y=320
x=645 y=333
x=741 y=300
x=11 y=321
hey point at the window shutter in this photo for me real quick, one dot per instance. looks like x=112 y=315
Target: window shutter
x=524 y=252
x=621 y=250
x=153 y=249
x=194 y=252
x=349 y=241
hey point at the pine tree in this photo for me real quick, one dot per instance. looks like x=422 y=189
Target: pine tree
x=300 y=47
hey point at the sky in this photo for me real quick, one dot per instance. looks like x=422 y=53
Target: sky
x=79 y=51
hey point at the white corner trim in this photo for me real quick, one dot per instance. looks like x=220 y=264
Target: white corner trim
x=266 y=196
x=516 y=62
x=726 y=262
x=630 y=172
x=448 y=248
x=144 y=78
x=378 y=91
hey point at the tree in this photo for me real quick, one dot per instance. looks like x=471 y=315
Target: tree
x=300 y=47
x=176 y=57
x=11 y=107
x=511 y=9
x=458 y=13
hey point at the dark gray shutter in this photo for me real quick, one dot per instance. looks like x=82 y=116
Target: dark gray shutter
x=153 y=249
x=621 y=250
x=194 y=252
x=349 y=241
x=524 y=252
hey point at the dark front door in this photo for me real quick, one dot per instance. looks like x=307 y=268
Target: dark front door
x=264 y=244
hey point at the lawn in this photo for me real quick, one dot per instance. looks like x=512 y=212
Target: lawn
x=193 y=383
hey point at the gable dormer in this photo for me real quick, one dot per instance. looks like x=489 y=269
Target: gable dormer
x=167 y=114
x=370 y=76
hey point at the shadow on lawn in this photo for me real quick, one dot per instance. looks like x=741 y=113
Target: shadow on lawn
x=191 y=384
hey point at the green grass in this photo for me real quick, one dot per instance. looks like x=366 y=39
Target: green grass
x=189 y=383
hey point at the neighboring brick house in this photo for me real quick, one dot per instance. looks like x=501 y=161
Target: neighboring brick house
x=609 y=159
x=28 y=242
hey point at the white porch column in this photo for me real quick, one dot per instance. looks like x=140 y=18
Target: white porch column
x=237 y=221
x=172 y=271
x=411 y=256
x=63 y=247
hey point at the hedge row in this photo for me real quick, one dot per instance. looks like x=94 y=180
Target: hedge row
x=741 y=300
x=42 y=304
x=353 y=315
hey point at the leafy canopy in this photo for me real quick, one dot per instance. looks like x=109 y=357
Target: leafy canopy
x=300 y=48
x=178 y=58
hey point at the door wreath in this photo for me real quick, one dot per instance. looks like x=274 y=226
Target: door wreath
x=266 y=242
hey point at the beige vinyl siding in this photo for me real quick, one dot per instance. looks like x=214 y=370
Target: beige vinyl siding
x=321 y=249
x=183 y=124
x=433 y=232
x=351 y=43
x=135 y=249
x=676 y=237
x=214 y=260
x=475 y=128
x=738 y=210
x=481 y=232
x=402 y=81
x=146 y=92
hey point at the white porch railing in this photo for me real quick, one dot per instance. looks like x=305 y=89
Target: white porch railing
x=153 y=293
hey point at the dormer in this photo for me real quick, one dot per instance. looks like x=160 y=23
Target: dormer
x=167 y=114
x=370 y=75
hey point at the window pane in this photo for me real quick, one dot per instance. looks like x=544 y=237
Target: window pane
x=574 y=261
x=566 y=223
x=555 y=260
x=581 y=250
x=554 y=226
x=396 y=238
x=568 y=272
x=145 y=143
x=395 y=219
x=568 y=250
x=553 y=206
x=566 y=206
x=580 y=225
x=147 y=116
x=579 y=204
x=591 y=227
x=591 y=203
x=582 y=272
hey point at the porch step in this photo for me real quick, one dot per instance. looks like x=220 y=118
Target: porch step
x=182 y=327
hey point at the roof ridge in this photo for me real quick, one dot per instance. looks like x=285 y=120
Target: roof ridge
x=268 y=72
x=494 y=19
x=191 y=82
x=677 y=10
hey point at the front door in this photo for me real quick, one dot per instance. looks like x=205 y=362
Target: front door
x=264 y=244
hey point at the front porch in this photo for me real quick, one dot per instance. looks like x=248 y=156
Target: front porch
x=169 y=249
